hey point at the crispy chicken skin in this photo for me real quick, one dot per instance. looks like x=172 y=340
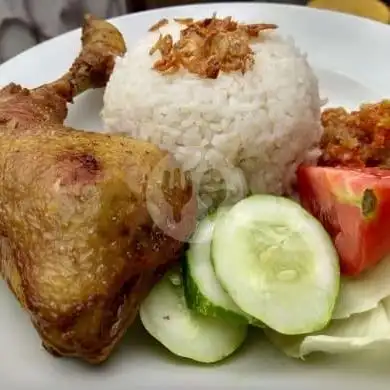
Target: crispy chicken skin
x=79 y=248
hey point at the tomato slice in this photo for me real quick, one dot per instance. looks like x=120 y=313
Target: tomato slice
x=354 y=207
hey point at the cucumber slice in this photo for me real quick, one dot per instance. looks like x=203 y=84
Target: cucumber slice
x=203 y=291
x=185 y=333
x=277 y=263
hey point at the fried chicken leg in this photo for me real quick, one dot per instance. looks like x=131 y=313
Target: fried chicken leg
x=79 y=248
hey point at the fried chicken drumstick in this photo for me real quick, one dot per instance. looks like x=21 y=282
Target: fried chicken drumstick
x=79 y=248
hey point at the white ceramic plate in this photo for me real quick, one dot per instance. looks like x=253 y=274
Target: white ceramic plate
x=351 y=57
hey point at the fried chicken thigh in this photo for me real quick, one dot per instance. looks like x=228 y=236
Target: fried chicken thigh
x=79 y=248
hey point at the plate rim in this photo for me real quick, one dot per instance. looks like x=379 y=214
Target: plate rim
x=356 y=21
x=246 y=4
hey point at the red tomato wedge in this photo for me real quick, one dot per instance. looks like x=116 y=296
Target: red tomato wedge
x=354 y=207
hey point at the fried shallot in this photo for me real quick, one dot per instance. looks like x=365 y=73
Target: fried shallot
x=209 y=46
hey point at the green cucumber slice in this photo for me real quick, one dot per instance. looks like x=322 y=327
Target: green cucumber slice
x=277 y=263
x=166 y=317
x=203 y=291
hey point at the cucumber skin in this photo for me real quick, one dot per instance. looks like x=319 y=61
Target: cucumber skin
x=196 y=301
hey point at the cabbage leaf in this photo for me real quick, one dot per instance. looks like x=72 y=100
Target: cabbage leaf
x=368 y=330
x=364 y=293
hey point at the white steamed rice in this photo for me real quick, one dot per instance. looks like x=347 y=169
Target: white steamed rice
x=253 y=129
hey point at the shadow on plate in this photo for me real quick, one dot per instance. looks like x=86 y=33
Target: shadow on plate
x=84 y=113
x=139 y=354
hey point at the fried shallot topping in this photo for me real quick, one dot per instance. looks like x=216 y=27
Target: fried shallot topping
x=185 y=21
x=159 y=24
x=208 y=46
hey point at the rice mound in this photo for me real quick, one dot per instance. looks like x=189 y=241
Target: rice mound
x=243 y=132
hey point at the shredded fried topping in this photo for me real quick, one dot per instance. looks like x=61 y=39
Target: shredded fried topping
x=357 y=139
x=159 y=24
x=185 y=21
x=208 y=46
